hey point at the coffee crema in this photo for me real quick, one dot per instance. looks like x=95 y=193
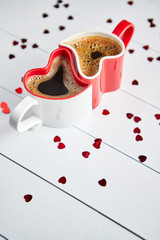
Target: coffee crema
x=91 y=49
x=58 y=83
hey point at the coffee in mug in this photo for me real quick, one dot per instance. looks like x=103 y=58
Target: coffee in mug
x=58 y=83
x=91 y=49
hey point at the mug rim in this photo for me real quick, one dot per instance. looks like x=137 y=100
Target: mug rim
x=87 y=34
x=46 y=69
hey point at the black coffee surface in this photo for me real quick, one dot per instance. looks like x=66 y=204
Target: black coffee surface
x=55 y=85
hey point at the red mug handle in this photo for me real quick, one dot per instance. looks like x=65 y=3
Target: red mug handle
x=124 y=30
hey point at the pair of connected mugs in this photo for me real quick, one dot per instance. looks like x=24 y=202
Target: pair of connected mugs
x=66 y=112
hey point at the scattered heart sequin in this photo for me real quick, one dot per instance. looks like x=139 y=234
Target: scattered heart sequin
x=28 y=197
x=142 y=158
x=44 y=15
x=97 y=143
x=150 y=59
x=61 y=28
x=131 y=51
x=66 y=5
x=70 y=17
x=46 y=31
x=62 y=180
x=157 y=116
x=137 y=119
x=56 y=5
x=158 y=58
x=130 y=2
x=23 y=40
x=61 y=145
x=105 y=112
x=15 y=42
x=146 y=47
x=129 y=115
x=18 y=90
x=11 y=56
x=34 y=45
x=57 y=139
x=137 y=130
x=135 y=82
x=139 y=138
x=3 y=105
x=109 y=20
x=85 y=154
x=102 y=182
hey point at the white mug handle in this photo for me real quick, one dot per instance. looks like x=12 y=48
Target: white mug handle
x=18 y=112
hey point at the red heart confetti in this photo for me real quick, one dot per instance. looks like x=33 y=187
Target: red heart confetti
x=23 y=46
x=66 y=5
x=61 y=145
x=46 y=31
x=62 y=180
x=23 y=40
x=157 y=116
x=137 y=130
x=158 y=58
x=85 y=154
x=129 y=115
x=146 y=47
x=131 y=50
x=139 y=138
x=109 y=20
x=97 y=143
x=102 y=182
x=57 y=139
x=142 y=158
x=59 y=1
x=137 y=119
x=34 y=45
x=6 y=110
x=15 y=42
x=61 y=28
x=150 y=59
x=105 y=112
x=135 y=82
x=130 y=2
x=152 y=25
x=44 y=15
x=70 y=17
x=56 y=5
x=28 y=197
x=150 y=20
x=11 y=56
x=18 y=90
x=3 y=105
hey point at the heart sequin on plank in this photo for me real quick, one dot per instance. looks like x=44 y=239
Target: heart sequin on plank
x=3 y=105
x=18 y=90
x=61 y=28
x=130 y=2
x=109 y=20
x=70 y=17
x=142 y=158
x=15 y=42
x=61 y=145
x=137 y=130
x=46 y=31
x=105 y=112
x=102 y=182
x=23 y=40
x=11 y=56
x=150 y=59
x=23 y=46
x=28 y=197
x=66 y=5
x=146 y=47
x=131 y=51
x=62 y=180
x=135 y=82
x=137 y=119
x=139 y=138
x=57 y=139
x=97 y=143
x=157 y=116
x=85 y=154
x=129 y=115
x=35 y=45
x=5 y=108
x=44 y=15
